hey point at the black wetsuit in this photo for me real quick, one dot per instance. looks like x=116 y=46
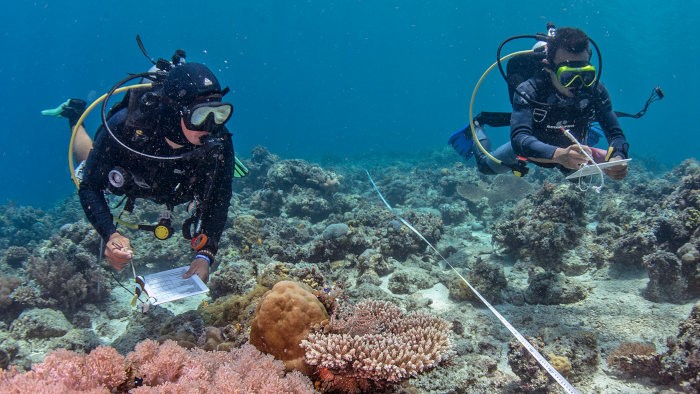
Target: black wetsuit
x=536 y=131
x=205 y=174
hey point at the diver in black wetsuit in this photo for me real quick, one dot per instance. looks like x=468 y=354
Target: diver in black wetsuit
x=564 y=94
x=179 y=151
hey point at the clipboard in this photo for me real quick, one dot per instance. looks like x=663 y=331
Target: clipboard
x=169 y=286
x=591 y=169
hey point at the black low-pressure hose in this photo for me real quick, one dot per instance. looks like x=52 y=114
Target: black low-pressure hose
x=105 y=123
x=500 y=48
x=542 y=37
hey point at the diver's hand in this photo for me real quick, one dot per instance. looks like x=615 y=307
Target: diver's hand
x=616 y=172
x=571 y=157
x=200 y=267
x=118 y=251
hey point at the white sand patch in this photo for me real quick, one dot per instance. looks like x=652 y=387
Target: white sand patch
x=439 y=295
x=185 y=304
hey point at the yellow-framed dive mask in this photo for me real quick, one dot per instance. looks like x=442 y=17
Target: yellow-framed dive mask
x=576 y=74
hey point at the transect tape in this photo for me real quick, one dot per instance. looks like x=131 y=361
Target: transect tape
x=527 y=345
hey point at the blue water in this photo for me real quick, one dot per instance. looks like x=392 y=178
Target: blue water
x=320 y=79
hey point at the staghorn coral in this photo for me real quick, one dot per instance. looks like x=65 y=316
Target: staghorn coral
x=375 y=344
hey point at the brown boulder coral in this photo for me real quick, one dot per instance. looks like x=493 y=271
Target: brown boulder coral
x=284 y=317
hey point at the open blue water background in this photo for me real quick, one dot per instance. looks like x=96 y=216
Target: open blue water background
x=330 y=79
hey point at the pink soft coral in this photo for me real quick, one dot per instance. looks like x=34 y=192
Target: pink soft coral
x=63 y=371
x=164 y=368
x=242 y=370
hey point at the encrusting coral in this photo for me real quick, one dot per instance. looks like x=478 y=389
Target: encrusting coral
x=634 y=359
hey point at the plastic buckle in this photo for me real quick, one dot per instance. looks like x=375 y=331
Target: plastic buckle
x=520 y=169
x=199 y=242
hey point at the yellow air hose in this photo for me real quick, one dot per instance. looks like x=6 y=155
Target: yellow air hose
x=71 y=165
x=471 y=103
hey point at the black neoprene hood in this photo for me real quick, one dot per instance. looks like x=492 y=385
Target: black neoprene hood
x=187 y=82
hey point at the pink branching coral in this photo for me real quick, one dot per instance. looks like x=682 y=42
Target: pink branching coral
x=377 y=343
x=162 y=368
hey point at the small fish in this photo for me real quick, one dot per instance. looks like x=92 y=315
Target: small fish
x=139 y=288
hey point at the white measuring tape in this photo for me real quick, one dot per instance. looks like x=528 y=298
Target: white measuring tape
x=527 y=345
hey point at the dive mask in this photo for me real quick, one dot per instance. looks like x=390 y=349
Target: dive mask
x=204 y=116
x=576 y=74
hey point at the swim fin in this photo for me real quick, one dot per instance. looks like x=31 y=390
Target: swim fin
x=71 y=109
x=239 y=170
x=462 y=143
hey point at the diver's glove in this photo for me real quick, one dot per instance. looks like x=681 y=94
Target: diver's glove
x=462 y=143
x=72 y=110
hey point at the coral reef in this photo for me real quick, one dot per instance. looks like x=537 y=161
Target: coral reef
x=376 y=343
x=551 y=288
x=23 y=226
x=154 y=367
x=327 y=229
x=231 y=278
x=15 y=256
x=681 y=363
x=667 y=282
x=544 y=227
x=575 y=356
x=533 y=378
x=634 y=359
x=486 y=277
x=284 y=317
x=141 y=326
x=665 y=240
x=8 y=284
x=40 y=323
x=64 y=272
x=232 y=308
